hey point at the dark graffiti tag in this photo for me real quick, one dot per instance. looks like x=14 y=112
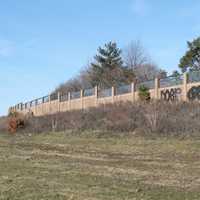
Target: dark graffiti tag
x=194 y=93
x=171 y=94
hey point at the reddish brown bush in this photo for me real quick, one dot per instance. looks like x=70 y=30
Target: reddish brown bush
x=15 y=121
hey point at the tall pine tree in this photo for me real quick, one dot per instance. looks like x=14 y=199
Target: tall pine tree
x=108 y=69
x=191 y=59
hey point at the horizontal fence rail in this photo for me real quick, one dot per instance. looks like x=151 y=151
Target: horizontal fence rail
x=148 y=84
x=64 y=97
x=89 y=92
x=171 y=81
x=75 y=95
x=105 y=93
x=183 y=87
x=124 y=89
x=194 y=76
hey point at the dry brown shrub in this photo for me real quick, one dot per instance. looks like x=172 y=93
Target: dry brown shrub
x=15 y=122
x=156 y=117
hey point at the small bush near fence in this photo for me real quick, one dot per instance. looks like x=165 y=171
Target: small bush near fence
x=144 y=93
x=15 y=122
x=138 y=118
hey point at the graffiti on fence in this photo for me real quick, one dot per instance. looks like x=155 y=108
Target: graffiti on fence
x=194 y=93
x=171 y=94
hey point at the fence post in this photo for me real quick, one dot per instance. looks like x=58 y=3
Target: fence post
x=81 y=96
x=185 y=82
x=58 y=96
x=133 y=91
x=58 y=101
x=50 y=109
x=156 y=89
x=113 y=94
x=21 y=106
x=96 y=95
x=69 y=101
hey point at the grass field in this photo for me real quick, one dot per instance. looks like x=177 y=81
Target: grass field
x=57 y=166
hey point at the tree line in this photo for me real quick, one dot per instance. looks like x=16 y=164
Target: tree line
x=112 y=66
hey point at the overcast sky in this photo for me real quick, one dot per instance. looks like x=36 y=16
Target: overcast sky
x=45 y=42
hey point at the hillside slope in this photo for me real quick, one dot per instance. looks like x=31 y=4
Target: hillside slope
x=60 y=166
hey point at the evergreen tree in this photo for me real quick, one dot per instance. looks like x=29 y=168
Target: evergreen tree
x=191 y=59
x=108 y=70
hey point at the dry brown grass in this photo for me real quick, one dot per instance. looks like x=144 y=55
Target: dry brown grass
x=66 y=166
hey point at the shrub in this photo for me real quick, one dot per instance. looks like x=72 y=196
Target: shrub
x=15 y=121
x=144 y=93
x=158 y=117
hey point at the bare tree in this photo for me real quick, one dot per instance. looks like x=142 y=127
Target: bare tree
x=137 y=59
x=138 y=65
x=146 y=72
x=85 y=76
x=81 y=81
x=135 y=55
